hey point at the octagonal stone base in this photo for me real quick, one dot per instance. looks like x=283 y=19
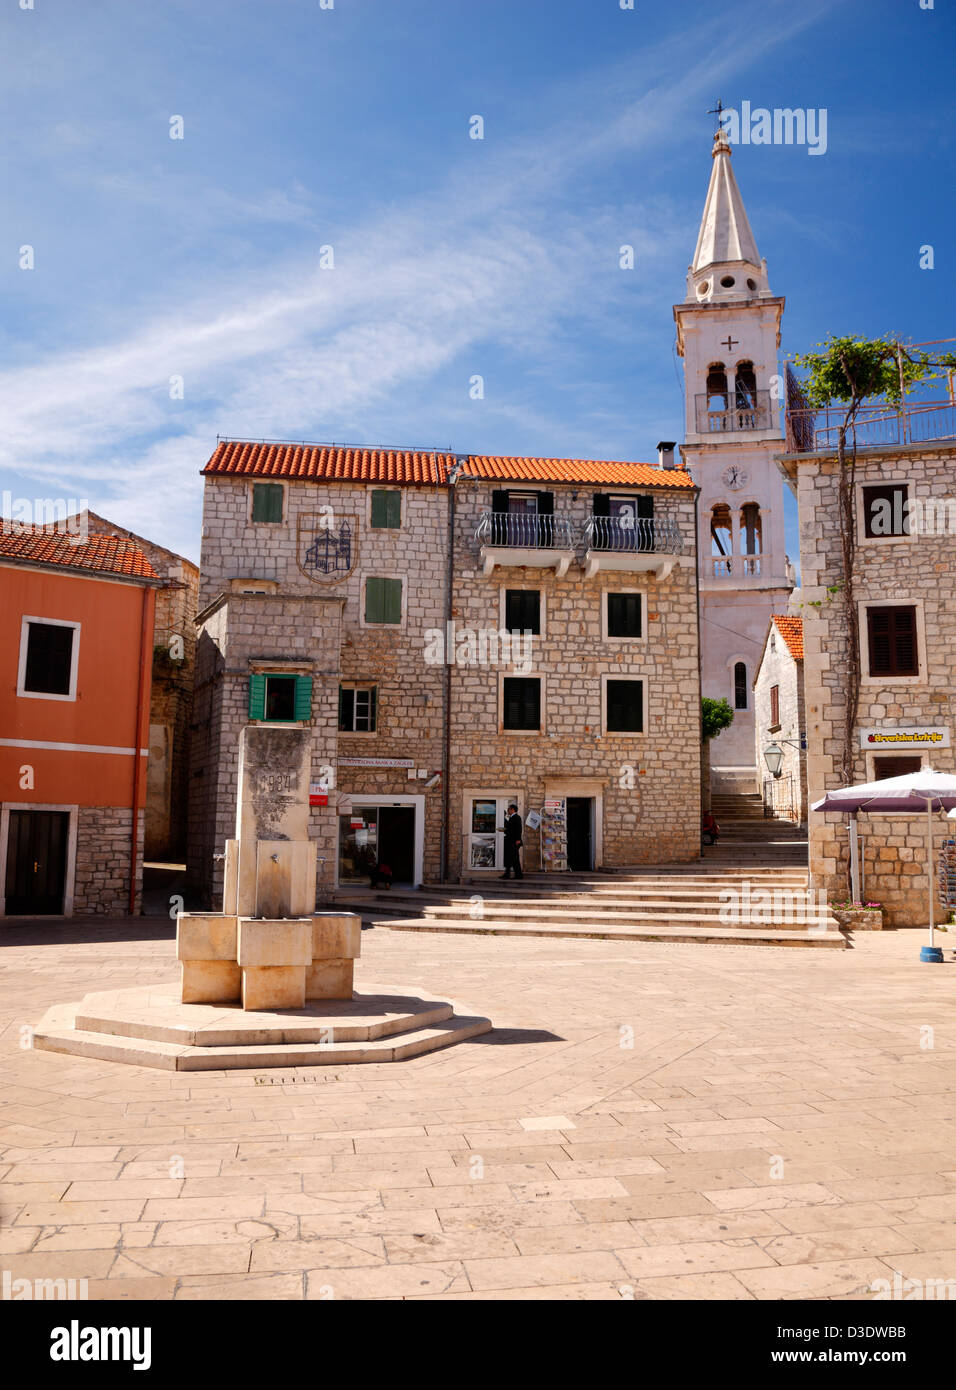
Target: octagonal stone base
x=152 y=1027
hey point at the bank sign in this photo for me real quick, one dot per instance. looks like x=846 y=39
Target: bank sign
x=919 y=736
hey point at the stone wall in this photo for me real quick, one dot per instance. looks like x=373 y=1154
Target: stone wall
x=103 y=844
x=922 y=570
x=319 y=620
x=170 y=705
x=649 y=783
x=779 y=668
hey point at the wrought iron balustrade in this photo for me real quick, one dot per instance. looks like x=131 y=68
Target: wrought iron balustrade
x=526 y=530
x=625 y=533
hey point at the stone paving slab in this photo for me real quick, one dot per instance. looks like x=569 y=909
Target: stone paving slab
x=645 y=1122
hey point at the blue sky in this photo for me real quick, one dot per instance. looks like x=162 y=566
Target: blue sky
x=306 y=127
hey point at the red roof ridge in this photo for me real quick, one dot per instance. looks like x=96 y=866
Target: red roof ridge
x=791 y=630
x=421 y=467
x=51 y=544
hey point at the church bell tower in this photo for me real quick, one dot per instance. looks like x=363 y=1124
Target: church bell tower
x=728 y=333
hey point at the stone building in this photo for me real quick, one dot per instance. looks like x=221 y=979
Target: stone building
x=171 y=698
x=904 y=585
x=372 y=594
x=596 y=726
x=728 y=335
x=779 y=719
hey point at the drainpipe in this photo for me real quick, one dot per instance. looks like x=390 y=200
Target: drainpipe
x=446 y=695
x=140 y=735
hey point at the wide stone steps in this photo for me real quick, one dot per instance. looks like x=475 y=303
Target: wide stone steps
x=686 y=934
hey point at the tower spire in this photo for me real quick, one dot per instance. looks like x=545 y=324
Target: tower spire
x=726 y=248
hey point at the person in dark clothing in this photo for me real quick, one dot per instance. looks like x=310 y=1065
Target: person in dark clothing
x=512 y=831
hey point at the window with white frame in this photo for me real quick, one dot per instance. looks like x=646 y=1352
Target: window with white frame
x=49 y=658
x=624 y=704
x=358 y=708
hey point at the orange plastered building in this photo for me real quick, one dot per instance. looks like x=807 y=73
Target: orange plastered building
x=76 y=638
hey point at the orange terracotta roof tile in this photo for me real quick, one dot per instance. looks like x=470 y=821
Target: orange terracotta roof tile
x=341 y=463
x=41 y=545
x=551 y=470
x=791 y=630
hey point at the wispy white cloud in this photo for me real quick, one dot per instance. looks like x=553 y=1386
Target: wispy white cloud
x=496 y=254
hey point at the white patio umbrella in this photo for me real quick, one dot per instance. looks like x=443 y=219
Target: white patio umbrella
x=911 y=794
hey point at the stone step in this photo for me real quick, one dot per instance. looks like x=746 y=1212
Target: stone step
x=748 y=936
x=545 y=913
x=148 y=1035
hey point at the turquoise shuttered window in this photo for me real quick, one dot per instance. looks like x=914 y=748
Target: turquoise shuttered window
x=383 y=600
x=303 y=698
x=280 y=698
x=257 y=697
x=386 y=508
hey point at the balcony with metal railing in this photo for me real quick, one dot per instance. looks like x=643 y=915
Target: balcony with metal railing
x=756 y=413
x=634 y=544
x=550 y=542
x=812 y=431
x=539 y=540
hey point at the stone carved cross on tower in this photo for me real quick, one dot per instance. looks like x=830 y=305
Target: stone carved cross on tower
x=729 y=343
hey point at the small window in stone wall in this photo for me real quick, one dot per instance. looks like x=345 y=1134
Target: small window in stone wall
x=521 y=701
x=625 y=707
x=383 y=600
x=357 y=708
x=775 y=707
x=280 y=698
x=267 y=502
x=386 y=509
x=740 y=685
x=886 y=510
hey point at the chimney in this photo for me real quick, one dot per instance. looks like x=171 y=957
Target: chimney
x=665 y=454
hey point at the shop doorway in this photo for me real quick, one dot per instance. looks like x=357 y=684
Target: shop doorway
x=36 y=863
x=580 y=832
x=396 y=841
x=373 y=833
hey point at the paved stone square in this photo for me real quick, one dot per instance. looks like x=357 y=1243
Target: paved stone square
x=647 y=1121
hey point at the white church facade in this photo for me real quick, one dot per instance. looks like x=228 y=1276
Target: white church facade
x=728 y=334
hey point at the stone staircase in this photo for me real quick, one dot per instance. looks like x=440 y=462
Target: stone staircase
x=750 y=839
x=763 y=862
x=681 y=903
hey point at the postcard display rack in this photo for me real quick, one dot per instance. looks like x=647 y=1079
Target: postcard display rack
x=947 y=873
x=554 y=836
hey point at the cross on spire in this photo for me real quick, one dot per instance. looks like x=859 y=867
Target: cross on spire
x=717 y=111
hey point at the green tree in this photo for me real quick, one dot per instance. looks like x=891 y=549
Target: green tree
x=714 y=716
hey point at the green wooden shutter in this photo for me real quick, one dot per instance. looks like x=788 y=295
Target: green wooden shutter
x=372 y=702
x=393 y=601
x=383 y=600
x=386 y=508
x=303 y=698
x=267 y=501
x=374 y=600
x=257 y=697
